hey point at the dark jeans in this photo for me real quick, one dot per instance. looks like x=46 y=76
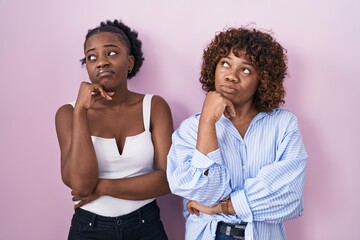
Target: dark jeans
x=141 y=224
x=223 y=236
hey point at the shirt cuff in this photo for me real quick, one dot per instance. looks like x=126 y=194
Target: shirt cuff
x=201 y=160
x=241 y=206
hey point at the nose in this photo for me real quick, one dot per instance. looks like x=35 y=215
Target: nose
x=102 y=62
x=232 y=76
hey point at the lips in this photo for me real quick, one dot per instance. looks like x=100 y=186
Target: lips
x=104 y=73
x=228 y=89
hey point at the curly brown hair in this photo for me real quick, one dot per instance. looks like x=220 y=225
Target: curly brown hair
x=266 y=55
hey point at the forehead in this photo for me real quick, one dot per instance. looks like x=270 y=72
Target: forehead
x=240 y=55
x=237 y=56
x=102 y=39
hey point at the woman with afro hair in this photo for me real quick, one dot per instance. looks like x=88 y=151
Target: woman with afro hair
x=114 y=143
x=240 y=163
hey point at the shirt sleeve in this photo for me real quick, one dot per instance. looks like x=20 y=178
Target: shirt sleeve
x=186 y=168
x=275 y=194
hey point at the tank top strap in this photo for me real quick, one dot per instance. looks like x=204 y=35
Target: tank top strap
x=147 y=111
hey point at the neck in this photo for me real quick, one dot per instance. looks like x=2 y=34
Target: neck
x=120 y=97
x=245 y=114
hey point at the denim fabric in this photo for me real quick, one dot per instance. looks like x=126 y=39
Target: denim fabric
x=142 y=224
x=223 y=236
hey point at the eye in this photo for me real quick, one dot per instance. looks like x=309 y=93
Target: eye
x=245 y=70
x=112 y=53
x=225 y=64
x=91 y=58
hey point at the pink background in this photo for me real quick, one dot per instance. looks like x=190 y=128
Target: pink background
x=40 y=47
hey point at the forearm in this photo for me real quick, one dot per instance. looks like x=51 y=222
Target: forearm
x=273 y=199
x=206 y=139
x=187 y=179
x=80 y=167
x=150 y=185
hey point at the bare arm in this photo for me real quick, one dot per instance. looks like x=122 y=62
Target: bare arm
x=79 y=168
x=149 y=185
x=194 y=207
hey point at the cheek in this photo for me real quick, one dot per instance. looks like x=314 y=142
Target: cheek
x=254 y=87
x=219 y=76
x=90 y=72
x=216 y=82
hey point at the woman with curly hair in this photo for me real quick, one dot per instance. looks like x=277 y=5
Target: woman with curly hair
x=240 y=163
x=114 y=143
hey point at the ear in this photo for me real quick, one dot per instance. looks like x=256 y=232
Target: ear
x=131 y=62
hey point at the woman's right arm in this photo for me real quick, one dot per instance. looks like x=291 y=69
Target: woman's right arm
x=196 y=170
x=79 y=167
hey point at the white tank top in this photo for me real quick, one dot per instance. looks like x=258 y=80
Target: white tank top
x=136 y=159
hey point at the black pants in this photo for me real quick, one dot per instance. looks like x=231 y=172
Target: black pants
x=141 y=224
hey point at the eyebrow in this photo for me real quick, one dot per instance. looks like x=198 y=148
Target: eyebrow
x=106 y=46
x=246 y=63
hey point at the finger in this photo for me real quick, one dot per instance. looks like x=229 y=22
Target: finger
x=230 y=109
x=78 y=205
x=96 y=89
x=75 y=198
x=106 y=95
x=226 y=113
x=196 y=212
x=188 y=204
x=190 y=210
x=109 y=95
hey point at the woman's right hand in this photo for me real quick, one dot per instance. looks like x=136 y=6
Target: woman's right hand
x=194 y=207
x=89 y=94
x=215 y=105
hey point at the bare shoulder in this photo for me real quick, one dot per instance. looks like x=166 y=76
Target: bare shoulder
x=158 y=101
x=64 y=113
x=159 y=107
x=64 y=110
x=160 y=111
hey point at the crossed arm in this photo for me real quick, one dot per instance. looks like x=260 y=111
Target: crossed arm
x=79 y=167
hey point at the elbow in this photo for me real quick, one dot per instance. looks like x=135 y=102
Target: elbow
x=78 y=187
x=81 y=184
x=295 y=209
x=165 y=186
x=172 y=186
x=175 y=186
x=298 y=209
x=166 y=189
x=81 y=190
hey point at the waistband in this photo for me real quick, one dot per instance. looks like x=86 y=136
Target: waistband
x=135 y=215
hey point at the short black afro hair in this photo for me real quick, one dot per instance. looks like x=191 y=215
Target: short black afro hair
x=128 y=37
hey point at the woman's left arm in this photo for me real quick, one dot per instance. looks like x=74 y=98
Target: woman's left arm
x=275 y=194
x=148 y=185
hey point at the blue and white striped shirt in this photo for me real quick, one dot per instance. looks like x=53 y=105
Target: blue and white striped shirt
x=263 y=173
